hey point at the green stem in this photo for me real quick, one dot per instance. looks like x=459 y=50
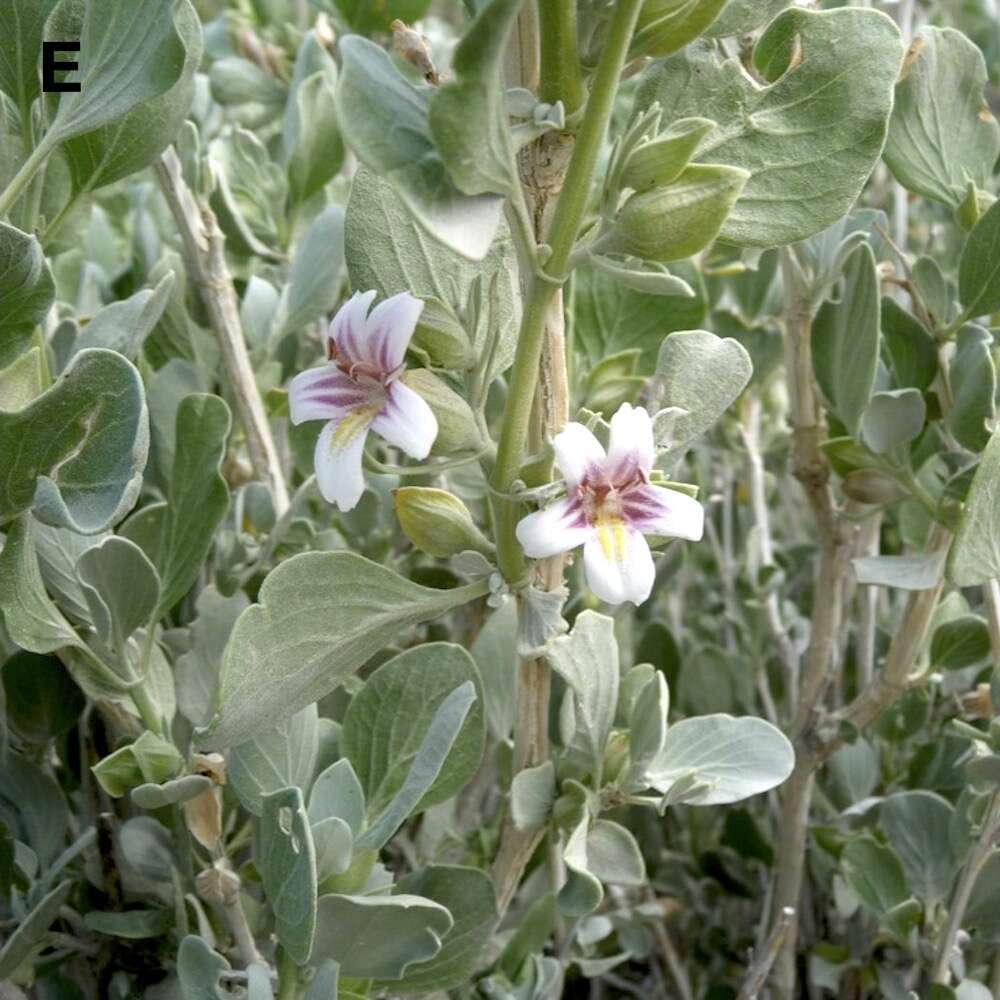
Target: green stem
x=22 y=178
x=569 y=214
x=288 y=977
x=561 y=79
x=139 y=691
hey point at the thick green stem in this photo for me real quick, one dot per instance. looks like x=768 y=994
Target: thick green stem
x=23 y=177
x=569 y=214
x=560 y=76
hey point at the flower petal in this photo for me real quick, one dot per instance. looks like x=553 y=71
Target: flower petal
x=555 y=529
x=577 y=450
x=630 y=444
x=654 y=510
x=323 y=393
x=406 y=421
x=348 y=328
x=338 y=459
x=618 y=564
x=390 y=328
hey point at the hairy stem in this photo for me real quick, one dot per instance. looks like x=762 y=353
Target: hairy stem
x=23 y=177
x=566 y=221
x=204 y=256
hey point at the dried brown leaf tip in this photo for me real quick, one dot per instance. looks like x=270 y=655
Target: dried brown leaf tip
x=985 y=115
x=912 y=55
x=412 y=46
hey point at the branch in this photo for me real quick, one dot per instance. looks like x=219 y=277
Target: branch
x=757 y=974
x=204 y=256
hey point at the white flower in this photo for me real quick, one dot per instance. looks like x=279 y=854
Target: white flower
x=609 y=506
x=359 y=390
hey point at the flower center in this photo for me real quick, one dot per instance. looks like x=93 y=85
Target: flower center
x=355 y=423
x=602 y=508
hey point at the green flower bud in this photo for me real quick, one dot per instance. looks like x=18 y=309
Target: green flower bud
x=661 y=160
x=149 y=760
x=457 y=426
x=437 y=522
x=665 y=26
x=972 y=206
x=674 y=222
x=441 y=338
x=872 y=486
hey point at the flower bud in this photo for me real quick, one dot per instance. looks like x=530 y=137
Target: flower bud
x=674 y=222
x=872 y=486
x=457 y=427
x=972 y=206
x=218 y=884
x=441 y=338
x=661 y=160
x=437 y=522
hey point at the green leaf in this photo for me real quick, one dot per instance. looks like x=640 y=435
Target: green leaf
x=587 y=660
x=975 y=554
x=379 y=936
x=810 y=136
x=665 y=26
x=121 y=588
x=133 y=925
x=853 y=773
x=128 y=55
x=845 y=341
x=314 y=279
x=386 y=723
x=942 y=134
x=324 y=983
x=973 y=378
x=197 y=670
x=983 y=912
x=740 y=17
x=467 y=116
x=702 y=375
x=198 y=969
x=278 y=758
x=22 y=380
x=30 y=617
x=532 y=792
x=734 y=757
x=613 y=855
x=961 y=642
x=316 y=150
x=22 y=26
x=287 y=862
x=132 y=141
x=76 y=452
x=321 y=616
x=26 y=288
x=36 y=803
x=386 y=250
x=495 y=653
x=42 y=700
x=917 y=824
x=468 y=895
x=197 y=496
x=911 y=349
x=150 y=760
x=428 y=763
x=979 y=265
x=393 y=138
x=892 y=420
x=916 y=572
x=124 y=326
x=338 y=793
x=32 y=930
x=582 y=892
x=610 y=317
x=367 y=18
x=875 y=874
x=647 y=728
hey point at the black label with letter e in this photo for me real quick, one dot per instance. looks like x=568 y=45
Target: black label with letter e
x=51 y=64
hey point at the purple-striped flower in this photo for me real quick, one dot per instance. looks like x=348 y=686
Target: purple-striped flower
x=359 y=390
x=609 y=505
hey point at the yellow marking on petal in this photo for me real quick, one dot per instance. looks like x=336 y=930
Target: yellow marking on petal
x=611 y=536
x=352 y=425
